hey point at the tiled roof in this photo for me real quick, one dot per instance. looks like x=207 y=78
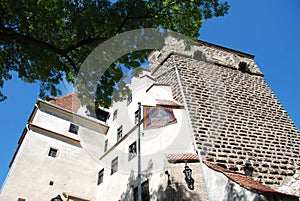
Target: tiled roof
x=170 y=103
x=189 y=157
x=243 y=179
x=69 y=102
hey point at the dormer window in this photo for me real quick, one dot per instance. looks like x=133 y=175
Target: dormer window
x=73 y=128
x=97 y=113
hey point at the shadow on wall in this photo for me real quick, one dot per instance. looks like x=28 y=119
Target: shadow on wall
x=175 y=192
x=132 y=183
x=233 y=195
x=166 y=191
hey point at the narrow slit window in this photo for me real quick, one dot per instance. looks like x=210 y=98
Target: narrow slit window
x=119 y=132
x=115 y=114
x=105 y=145
x=100 y=176
x=136 y=117
x=129 y=99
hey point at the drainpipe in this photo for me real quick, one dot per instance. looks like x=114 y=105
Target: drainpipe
x=191 y=128
x=189 y=120
x=164 y=72
x=139 y=156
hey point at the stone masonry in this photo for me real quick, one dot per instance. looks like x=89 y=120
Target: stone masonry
x=237 y=120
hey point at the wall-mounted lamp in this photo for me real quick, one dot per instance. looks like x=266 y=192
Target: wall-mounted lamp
x=57 y=198
x=188 y=177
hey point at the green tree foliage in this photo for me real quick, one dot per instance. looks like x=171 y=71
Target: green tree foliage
x=46 y=41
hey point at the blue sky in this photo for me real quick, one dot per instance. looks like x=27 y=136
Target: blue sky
x=270 y=30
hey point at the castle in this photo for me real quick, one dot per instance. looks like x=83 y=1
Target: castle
x=229 y=138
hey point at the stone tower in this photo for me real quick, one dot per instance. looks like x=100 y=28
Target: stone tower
x=237 y=121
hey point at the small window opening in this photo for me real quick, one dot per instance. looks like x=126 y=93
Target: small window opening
x=119 y=132
x=105 y=145
x=52 y=152
x=132 y=151
x=115 y=114
x=73 y=128
x=51 y=183
x=97 y=113
x=114 y=165
x=129 y=99
x=243 y=67
x=100 y=176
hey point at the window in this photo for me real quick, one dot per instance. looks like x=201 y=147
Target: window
x=145 y=192
x=132 y=151
x=21 y=199
x=97 y=113
x=119 y=132
x=115 y=114
x=52 y=152
x=243 y=66
x=136 y=116
x=105 y=145
x=51 y=183
x=114 y=165
x=73 y=128
x=100 y=176
x=129 y=99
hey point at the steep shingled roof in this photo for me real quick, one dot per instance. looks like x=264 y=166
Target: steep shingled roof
x=244 y=180
x=239 y=178
x=167 y=103
x=189 y=157
x=69 y=102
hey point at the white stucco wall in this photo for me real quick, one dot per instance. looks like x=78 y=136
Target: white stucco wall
x=220 y=188
x=75 y=169
x=72 y=171
x=155 y=143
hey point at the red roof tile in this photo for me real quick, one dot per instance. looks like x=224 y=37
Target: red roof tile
x=69 y=102
x=243 y=179
x=167 y=103
x=189 y=157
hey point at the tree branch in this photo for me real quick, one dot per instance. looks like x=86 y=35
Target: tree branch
x=83 y=42
x=153 y=16
x=28 y=40
x=125 y=20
